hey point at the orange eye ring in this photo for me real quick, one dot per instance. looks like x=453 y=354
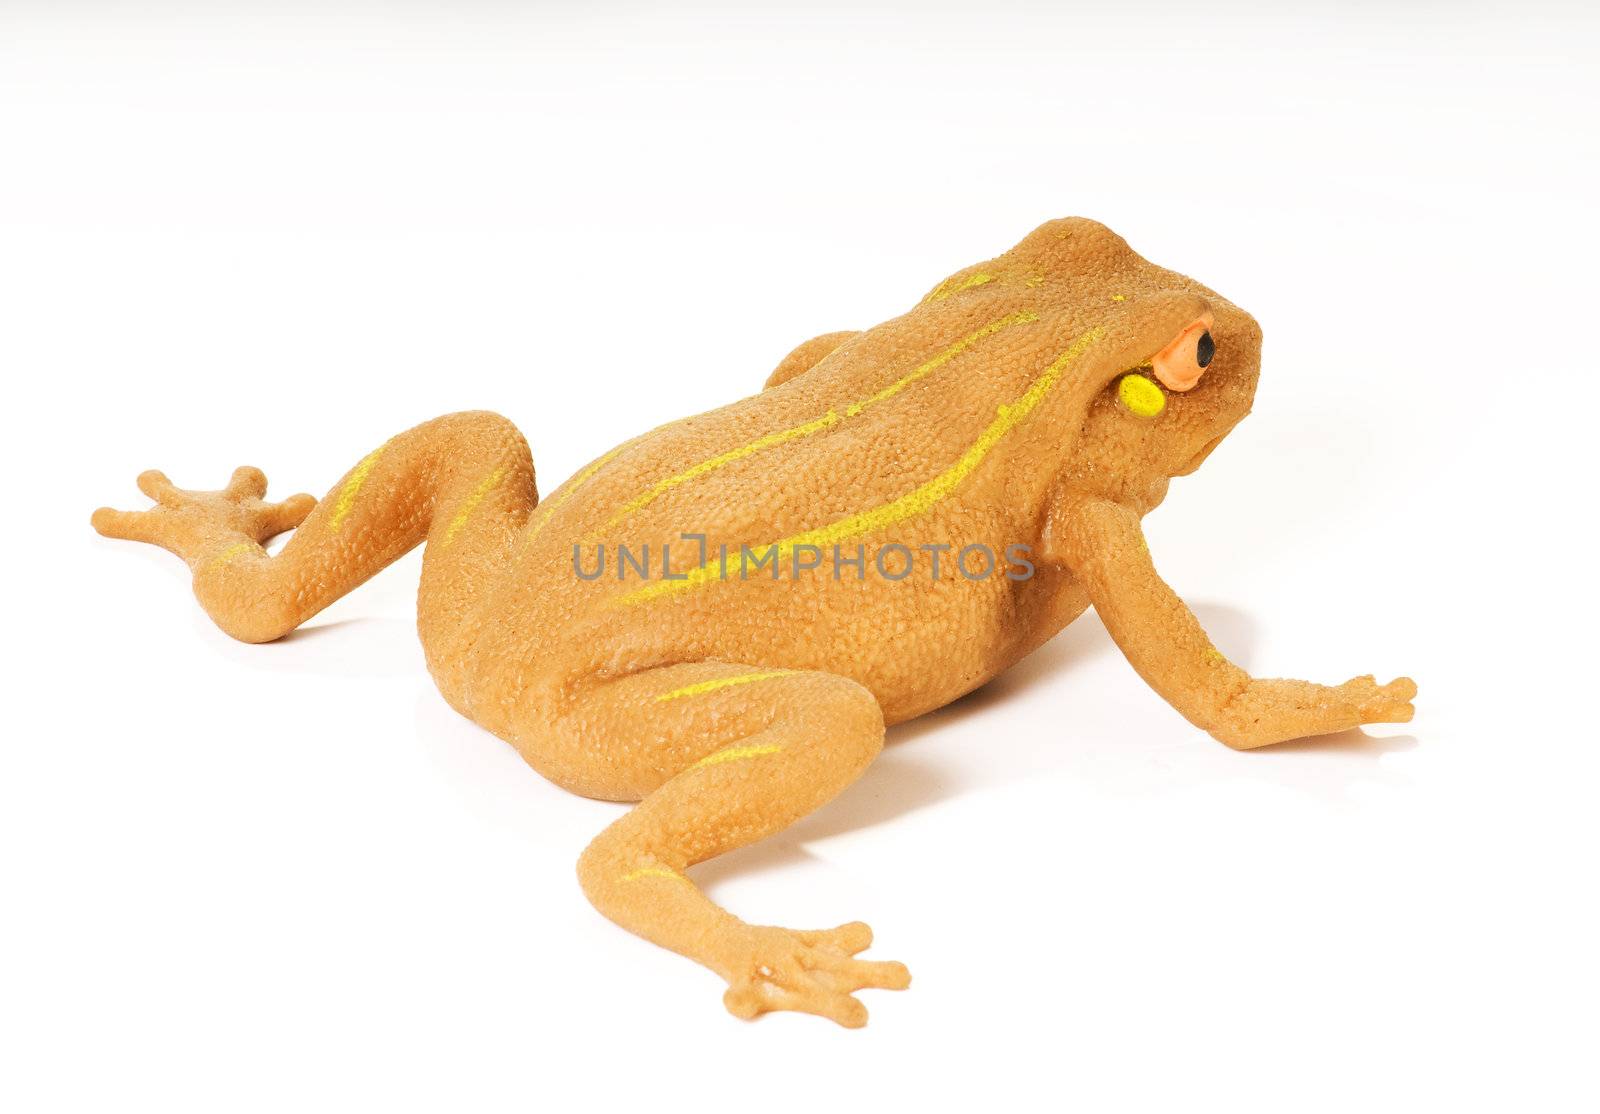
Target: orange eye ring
x=1180 y=364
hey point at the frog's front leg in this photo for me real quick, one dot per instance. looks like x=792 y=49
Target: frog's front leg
x=1103 y=545
x=722 y=755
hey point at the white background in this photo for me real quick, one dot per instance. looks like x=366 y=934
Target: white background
x=290 y=878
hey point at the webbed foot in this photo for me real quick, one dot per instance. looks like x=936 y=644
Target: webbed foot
x=199 y=524
x=812 y=972
x=1271 y=711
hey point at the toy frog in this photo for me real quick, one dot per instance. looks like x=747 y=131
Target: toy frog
x=1017 y=423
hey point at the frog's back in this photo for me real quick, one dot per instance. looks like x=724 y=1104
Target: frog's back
x=882 y=416
x=877 y=415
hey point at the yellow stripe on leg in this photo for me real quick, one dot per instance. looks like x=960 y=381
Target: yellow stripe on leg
x=478 y=495
x=721 y=683
x=352 y=487
x=652 y=872
x=734 y=754
x=231 y=552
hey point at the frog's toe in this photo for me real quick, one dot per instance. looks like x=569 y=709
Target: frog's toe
x=1375 y=703
x=154 y=483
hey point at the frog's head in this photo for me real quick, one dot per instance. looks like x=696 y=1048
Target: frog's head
x=1185 y=376
x=1173 y=370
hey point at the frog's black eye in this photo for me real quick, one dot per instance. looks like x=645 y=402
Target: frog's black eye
x=1205 y=349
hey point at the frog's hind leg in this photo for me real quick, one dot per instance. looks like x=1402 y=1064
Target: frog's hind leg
x=463 y=482
x=722 y=755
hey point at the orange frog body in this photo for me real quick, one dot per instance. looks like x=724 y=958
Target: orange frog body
x=718 y=618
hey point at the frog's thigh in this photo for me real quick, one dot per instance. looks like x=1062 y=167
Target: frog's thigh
x=623 y=739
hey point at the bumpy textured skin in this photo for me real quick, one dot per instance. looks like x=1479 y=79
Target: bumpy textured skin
x=1007 y=408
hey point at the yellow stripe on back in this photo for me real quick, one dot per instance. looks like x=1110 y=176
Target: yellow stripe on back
x=950 y=286
x=711 y=464
x=915 y=502
x=547 y=508
x=816 y=425
x=940 y=360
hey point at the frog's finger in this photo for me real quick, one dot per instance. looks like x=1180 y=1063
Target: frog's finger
x=246 y=482
x=132 y=526
x=155 y=484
